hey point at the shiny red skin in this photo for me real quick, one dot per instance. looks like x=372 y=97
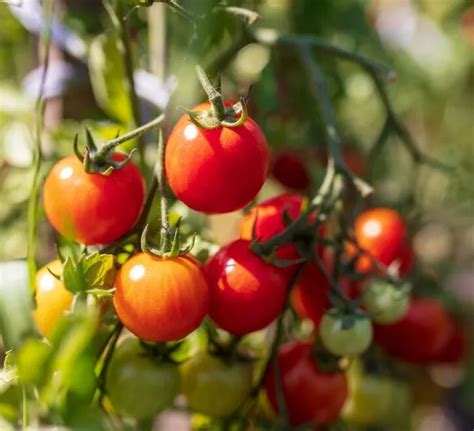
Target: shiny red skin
x=456 y=347
x=310 y=394
x=266 y=219
x=246 y=294
x=382 y=233
x=310 y=296
x=289 y=169
x=161 y=299
x=93 y=208
x=420 y=336
x=216 y=171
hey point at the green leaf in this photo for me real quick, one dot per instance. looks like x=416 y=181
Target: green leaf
x=107 y=74
x=16 y=304
x=94 y=271
x=32 y=362
x=99 y=270
x=73 y=276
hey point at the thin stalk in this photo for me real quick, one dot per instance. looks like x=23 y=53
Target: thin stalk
x=45 y=44
x=139 y=131
x=160 y=175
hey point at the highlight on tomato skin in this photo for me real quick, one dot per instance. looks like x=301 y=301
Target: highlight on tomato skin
x=246 y=293
x=311 y=395
x=202 y=165
x=419 y=336
x=161 y=299
x=53 y=300
x=93 y=208
x=382 y=233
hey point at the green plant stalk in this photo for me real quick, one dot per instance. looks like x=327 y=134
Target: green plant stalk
x=161 y=177
x=45 y=44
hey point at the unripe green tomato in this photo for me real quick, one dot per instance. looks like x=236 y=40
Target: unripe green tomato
x=137 y=385
x=342 y=339
x=385 y=302
x=213 y=387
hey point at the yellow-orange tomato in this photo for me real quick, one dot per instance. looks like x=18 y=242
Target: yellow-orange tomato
x=52 y=298
x=161 y=299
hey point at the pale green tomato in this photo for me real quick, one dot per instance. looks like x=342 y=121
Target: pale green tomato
x=345 y=340
x=137 y=385
x=213 y=387
x=385 y=302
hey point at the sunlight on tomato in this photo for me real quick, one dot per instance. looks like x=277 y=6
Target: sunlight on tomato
x=52 y=298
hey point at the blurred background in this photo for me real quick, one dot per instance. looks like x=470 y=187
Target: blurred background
x=428 y=43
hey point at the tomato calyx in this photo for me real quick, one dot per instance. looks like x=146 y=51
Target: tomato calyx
x=218 y=115
x=161 y=351
x=170 y=242
x=98 y=160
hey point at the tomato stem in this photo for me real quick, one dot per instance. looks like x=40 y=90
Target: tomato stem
x=160 y=174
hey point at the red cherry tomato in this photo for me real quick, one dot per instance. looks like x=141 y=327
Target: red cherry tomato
x=419 y=336
x=161 y=299
x=455 y=348
x=310 y=296
x=382 y=233
x=290 y=170
x=266 y=219
x=310 y=394
x=246 y=294
x=93 y=208
x=216 y=171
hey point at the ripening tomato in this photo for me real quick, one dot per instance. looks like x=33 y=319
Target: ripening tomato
x=290 y=170
x=455 y=348
x=385 y=302
x=419 y=336
x=246 y=293
x=310 y=394
x=93 y=208
x=266 y=219
x=216 y=171
x=138 y=385
x=382 y=233
x=161 y=299
x=52 y=298
x=345 y=335
x=214 y=387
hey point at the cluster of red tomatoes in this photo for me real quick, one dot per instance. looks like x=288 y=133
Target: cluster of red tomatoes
x=161 y=299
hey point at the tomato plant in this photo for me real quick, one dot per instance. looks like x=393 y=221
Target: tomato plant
x=420 y=335
x=138 y=385
x=345 y=334
x=92 y=208
x=455 y=348
x=202 y=165
x=385 y=302
x=161 y=299
x=246 y=293
x=214 y=387
x=52 y=298
x=311 y=395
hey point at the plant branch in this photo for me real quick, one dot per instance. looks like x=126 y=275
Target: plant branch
x=160 y=175
x=45 y=44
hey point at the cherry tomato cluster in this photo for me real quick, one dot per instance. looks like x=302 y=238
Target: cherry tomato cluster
x=163 y=298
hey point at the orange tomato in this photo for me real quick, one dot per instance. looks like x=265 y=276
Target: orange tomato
x=161 y=299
